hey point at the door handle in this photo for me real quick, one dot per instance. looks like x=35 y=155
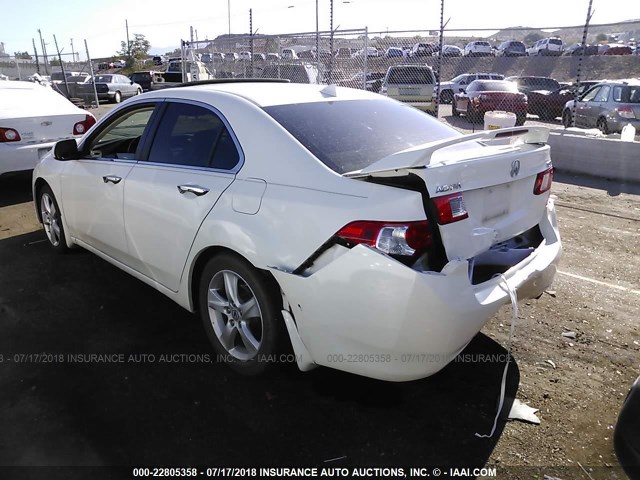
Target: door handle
x=195 y=189
x=111 y=178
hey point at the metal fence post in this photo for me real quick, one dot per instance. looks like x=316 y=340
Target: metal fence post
x=366 y=56
x=582 y=52
x=95 y=92
x=437 y=99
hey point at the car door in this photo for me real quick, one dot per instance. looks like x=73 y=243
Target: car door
x=93 y=186
x=192 y=160
x=584 y=106
x=599 y=105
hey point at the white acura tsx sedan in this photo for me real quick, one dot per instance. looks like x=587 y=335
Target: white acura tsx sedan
x=356 y=230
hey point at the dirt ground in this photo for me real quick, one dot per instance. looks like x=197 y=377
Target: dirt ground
x=123 y=415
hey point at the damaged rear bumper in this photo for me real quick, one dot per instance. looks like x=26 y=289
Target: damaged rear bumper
x=368 y=314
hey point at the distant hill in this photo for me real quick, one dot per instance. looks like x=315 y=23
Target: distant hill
x=625 y=31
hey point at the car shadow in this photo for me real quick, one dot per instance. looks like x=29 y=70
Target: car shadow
x=612 y=187
x=15 y=188
x=154 y=394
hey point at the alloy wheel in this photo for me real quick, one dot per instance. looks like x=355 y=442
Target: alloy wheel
x=50 y=219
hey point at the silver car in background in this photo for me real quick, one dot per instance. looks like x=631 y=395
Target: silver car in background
x=609 y=106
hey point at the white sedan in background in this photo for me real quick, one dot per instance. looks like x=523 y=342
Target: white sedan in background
x=32 y=119
x=359 y=231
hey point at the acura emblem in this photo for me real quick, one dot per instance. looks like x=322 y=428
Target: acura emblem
x=515 y=168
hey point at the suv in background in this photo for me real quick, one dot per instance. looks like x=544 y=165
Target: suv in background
x=511 y=48
x=528 y=84
x=453 y=86
x=609 y=106
x=411 y=84
x=478 y=48
x=546 y=46
x=423 y=50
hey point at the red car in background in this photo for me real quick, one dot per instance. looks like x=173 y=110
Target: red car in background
x=482 y=96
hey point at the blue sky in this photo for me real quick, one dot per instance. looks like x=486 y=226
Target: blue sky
x=164 y=23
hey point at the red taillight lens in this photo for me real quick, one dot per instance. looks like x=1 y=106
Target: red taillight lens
x=407 y=238
x=9 y=135
x=625 y=112
x=81 y=127
x=543 y=181
x=450 y=208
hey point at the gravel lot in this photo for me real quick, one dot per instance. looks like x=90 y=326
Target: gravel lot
x=192 y=411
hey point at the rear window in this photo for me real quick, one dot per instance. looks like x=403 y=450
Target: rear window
x=483 y=44
x=410 y=75
x=137 y=77
x=627 y=94
x=57 y=76
x=103 y=79
x=555 y=41
x=352 y=134
x=493 y=86
x=295 y=73
x=538 y=83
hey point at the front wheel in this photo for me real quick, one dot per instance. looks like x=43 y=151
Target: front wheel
x=240 y=311
x=52 y=220
x=520 y=119
x=139 y=91
x=567 y=121
x=454 y=110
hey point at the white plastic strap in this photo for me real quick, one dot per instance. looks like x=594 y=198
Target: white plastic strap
x=514 y=318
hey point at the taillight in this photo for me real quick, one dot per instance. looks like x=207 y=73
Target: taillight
x=450 y=208
x=81 y=127
x=543 y=181
x=9 y=135
x=406 y=238
x=625 y=112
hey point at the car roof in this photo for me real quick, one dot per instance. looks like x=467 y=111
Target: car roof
x=266 y=94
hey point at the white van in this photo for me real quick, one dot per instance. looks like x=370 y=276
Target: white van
x=546 y=46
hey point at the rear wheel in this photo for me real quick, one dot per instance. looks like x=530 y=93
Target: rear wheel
x=520 y=119
x=446 y=96
x=52 y=220
x=602 y=125
x=454 y=110
x=139 y=91
x=117 y=98
x=240 y=311
x=567 y=120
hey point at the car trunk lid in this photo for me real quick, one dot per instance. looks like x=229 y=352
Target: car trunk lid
x=495 y=183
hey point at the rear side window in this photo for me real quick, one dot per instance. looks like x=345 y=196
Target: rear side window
x=193 y=136
x=410 y=75
x=352 y=134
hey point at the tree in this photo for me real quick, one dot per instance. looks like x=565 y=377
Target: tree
x=601 y=37
x=138 y=48
x=22 y=55
x=533 y=37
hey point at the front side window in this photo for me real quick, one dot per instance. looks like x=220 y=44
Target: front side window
x=590 y=95
x=603 y=95
x=192 y=135
x=121 y=137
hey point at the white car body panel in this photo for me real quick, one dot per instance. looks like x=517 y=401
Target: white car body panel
x=40 y=116
x=355 y=301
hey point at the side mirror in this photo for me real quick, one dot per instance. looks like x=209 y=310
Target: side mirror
x=462 y=90
x=131 y=82
x=66 y=150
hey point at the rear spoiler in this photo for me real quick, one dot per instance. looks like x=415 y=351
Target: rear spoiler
x=420 y=156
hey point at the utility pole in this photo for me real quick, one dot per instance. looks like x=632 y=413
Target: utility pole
x=191 y=34
x=441 y=46
x=44 y=53
x=126 y=25
x=73 y=54
x=584 y=47
x=35 y=51
x=250 y=42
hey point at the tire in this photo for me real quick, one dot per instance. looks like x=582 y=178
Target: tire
x=52 y=220
x=602 y=125
x=139 y=91
x=446 y=96
x=454 y=110
x=117 y=98
x=240 y=311
x=520 y=119
x=567 y=121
